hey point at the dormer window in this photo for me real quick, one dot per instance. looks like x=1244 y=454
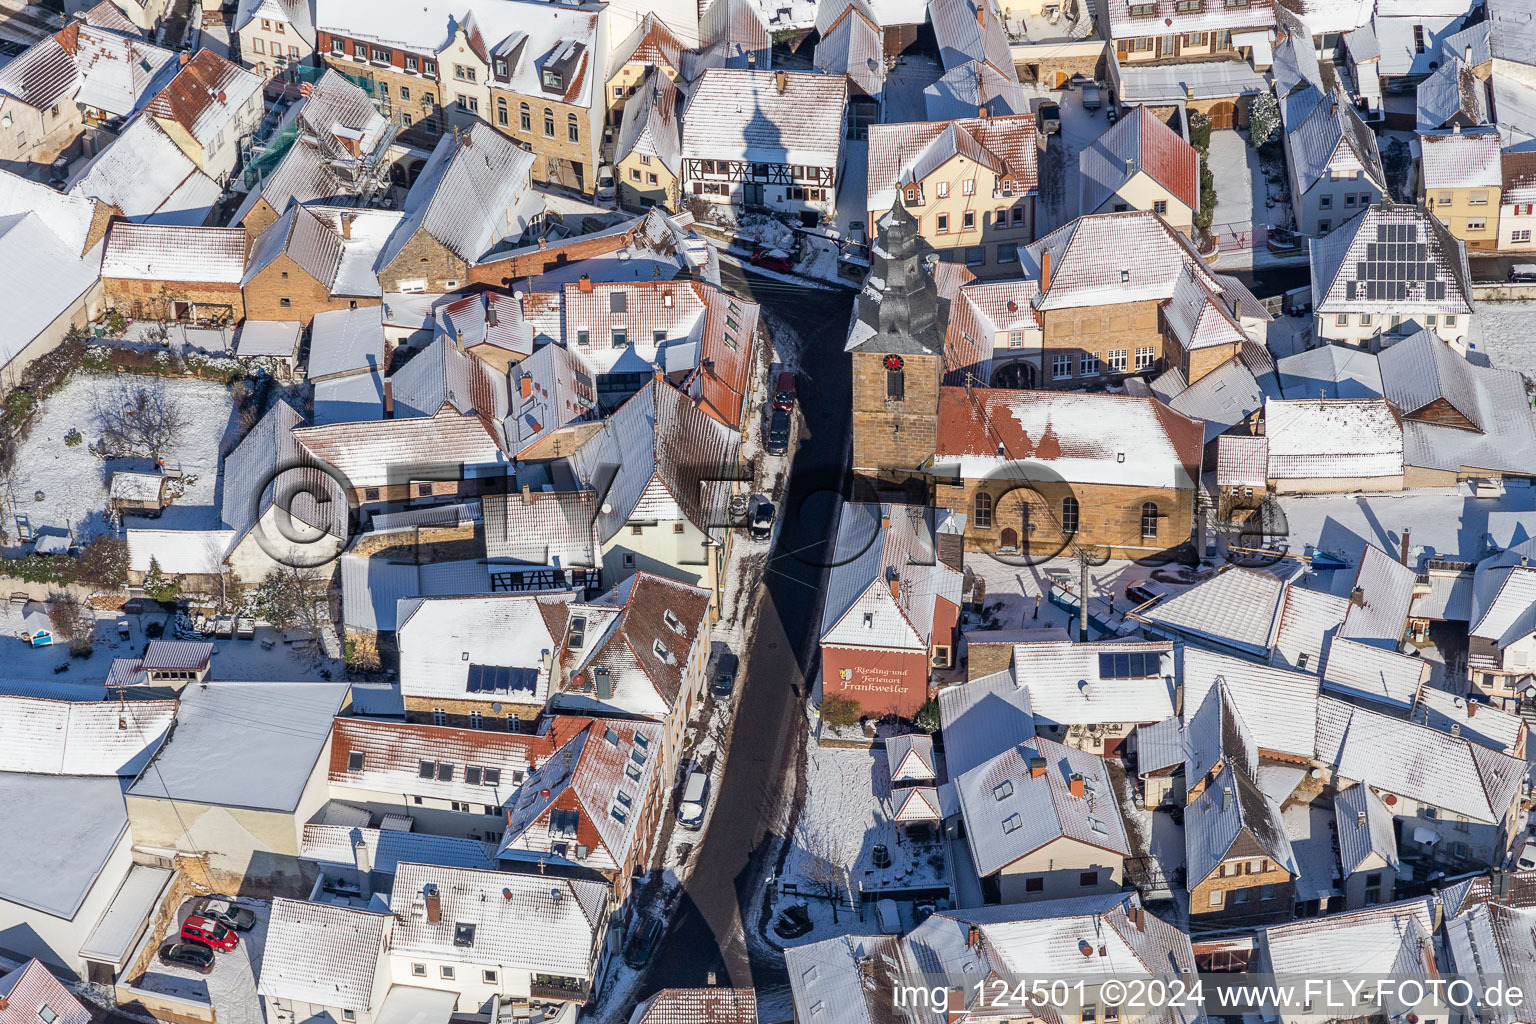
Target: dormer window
x=576 y=635
x=911 y=193
x=502 y=70
x=674 y=623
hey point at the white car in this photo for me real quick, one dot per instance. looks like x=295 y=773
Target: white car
x=1526 y=860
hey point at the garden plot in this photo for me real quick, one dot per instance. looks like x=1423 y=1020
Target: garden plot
x=60 y=488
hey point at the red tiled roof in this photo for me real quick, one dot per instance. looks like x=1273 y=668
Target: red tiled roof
x=1171 y=162
x=701 y=1006
x=28 y=989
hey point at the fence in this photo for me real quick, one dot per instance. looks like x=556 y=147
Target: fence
x=1239 y=237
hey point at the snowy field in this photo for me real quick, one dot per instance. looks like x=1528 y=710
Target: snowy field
x=232 y=985
x=72 y=482
x=1507 y=336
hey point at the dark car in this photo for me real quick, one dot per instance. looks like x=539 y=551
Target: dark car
x=723 y=682
x=643 y=943
x=773 y=259
x=1049 y=119
x=1522 y=273
x=192 y=955
x=227 y=912
x=762 y=519
x=794 y=922
x=778 y=433
x=784 y=391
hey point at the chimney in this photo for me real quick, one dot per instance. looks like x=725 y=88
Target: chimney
x=1045 y=270
x=1133 y=915
x=981 y=112
x=527 y=494
x=972 y=936
x=1357 y=597
x=885 y=522
x=1335 y=105
x=364 y=864
x=1036 y=767
x=389 y=399
x=525 y=385
x=1360 y=819
x=1130 y=165
x=780 y=81
x=584 y=284
x=604 y=682
x=434 y=903
x=751 y=59
x=4 y=1002
x=981 y=14
x=1226 y=798
x=1467 y=55
x=1404 y=558
x=346 y=225
x=1471 y=708
x=1075 y=783
x=1456 y=129
x=666 y=297
x=895 y=582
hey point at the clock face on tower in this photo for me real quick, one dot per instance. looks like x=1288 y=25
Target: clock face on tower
x=893 y=362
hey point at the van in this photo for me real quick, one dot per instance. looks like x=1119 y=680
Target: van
x=1522 y=273
x=690 y=813
x=784 y=391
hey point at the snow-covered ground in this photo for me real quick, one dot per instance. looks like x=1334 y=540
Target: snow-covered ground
x=232 y=985
x=1059 y=181
x=63 y=488
x=846 y=815
x=1506 y=336
x=1239 y=182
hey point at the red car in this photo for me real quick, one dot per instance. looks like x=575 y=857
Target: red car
x=773 y=259
x=784 y=391
x=210 y=933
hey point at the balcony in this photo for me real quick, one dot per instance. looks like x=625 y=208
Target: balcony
x=547 y=987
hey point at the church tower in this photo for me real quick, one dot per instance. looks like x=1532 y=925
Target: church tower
x=897 y=347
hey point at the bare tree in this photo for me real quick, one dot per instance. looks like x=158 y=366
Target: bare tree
x=66 y=615
x=138 y=417
x=826 y=858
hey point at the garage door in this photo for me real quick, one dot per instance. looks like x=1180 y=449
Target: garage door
x=1224 y=115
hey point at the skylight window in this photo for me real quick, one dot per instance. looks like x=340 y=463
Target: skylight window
x=1003 y=790
x=1012 y=824
x=463 y=934
x=355 y=761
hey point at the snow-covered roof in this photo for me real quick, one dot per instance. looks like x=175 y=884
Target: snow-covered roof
x=1010 y=811
x=163 y=252
x=1329 y=371
x=851 y=44
x=447 y=643
x=372 y=588
x=900 y=154
x=966 y=88
x=732 y=34
x=205 y=96
x=1364 y=828
x=1468 y=159
x=1085 y=438
x=322 y=954
x=1332 y=136
x=1453 y=94
x=1127 y=20
x=1139 y=143
x=1330 y=438
x=55 y=737
x=971 y=30
x=1230 y=806
x=1391 y=259
x=149 y=178
x=1384 y=940
x=1481 y=723
x=346 y=341
x=263 y=765
x=118 y=74
x=828 y=979
x=479 y=164
x=743 y=115
x=1385 y=592
x=1405 y=759
x=1367 y=672
x=296 y=14
x=1221 y=398
x=1241 y=460
x=1236 y=608
x=1097 y=683
x=471 y=766
x=1180 y=81
x=29 y=990
x=886 y=580
x=543 y=527
x=982 y=718
x=650 y=126
x=50 y=860
x=388 y=847
x=699 y=1006
x=1279 y=707
x=1504 y=596
x=120 y=926
x=270 y=338
x=532 y=922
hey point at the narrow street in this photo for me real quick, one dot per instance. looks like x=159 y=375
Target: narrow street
x=707 y=932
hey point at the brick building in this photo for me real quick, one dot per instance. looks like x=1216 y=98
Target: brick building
x=164 y=272
x=307 y=263
x=650 y=46
x=1039 y=472
x=443 y=235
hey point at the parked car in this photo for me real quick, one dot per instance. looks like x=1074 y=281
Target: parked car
x=723 y=682
x=227 y=912
x=607 y=185
x=209 y=932
x=1522 y=273
x=690 y=813
x=643 y=942
x=778 y=433
x=1049 y=119
x=1093 y=96
x=192 y=955
x=784 y=391
x=762 y=519
x=856 y=232
x=773 y=259
x=888 y=915
x=794 y=922
x=1526 y=861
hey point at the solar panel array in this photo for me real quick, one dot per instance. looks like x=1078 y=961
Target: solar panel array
x=1130 y=665
x=501 y=679
x=1395 y=265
